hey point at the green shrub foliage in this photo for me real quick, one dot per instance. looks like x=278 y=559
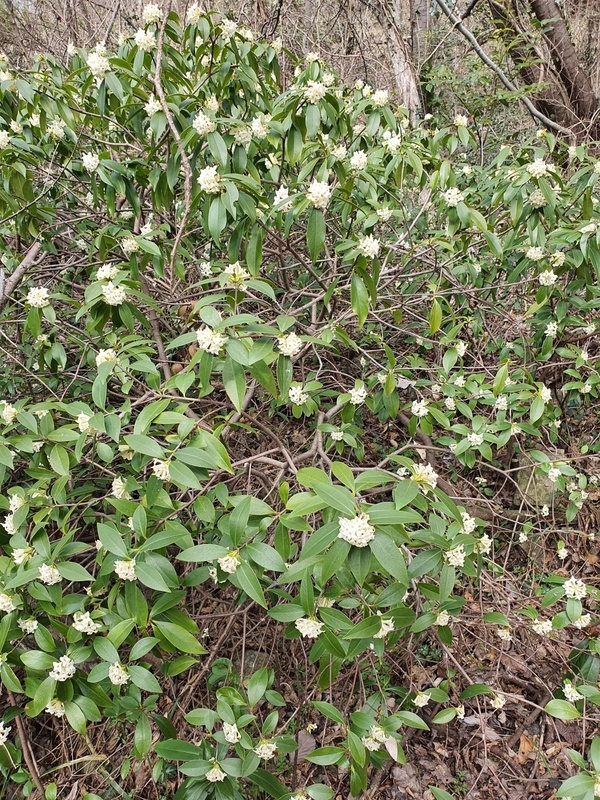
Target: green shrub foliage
x=202 y=258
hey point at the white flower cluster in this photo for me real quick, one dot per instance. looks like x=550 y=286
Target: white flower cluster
x=368 y=246
x=289 y=345
x=419 y=408
x=203 y=124
x=114 y=295
x=118 y=489
x=83 y=421
x=535 y=253
x=152 y=13
x=90 y=161
x=314 y=91
x=456 y=556
x=358 y=160
x=380 y=98
x=461 y=121
x=542 y=626
x=129 y=245
x=105 y=356
x=117 y=674
x=210 y=180
x=215 y=774
x=391 y=141
x=194 y=14
x=231 y=733
x=266 y=749
x=4 y=731
x=425 y=476
x=153 y=106
x=452 y=197
x=55 y=708
x=358 y=395
x=319 y=194
x=83 y=623
x=161 y=469
x=146 y=41
x=281 y=197
x=575 y=589
x=547 y=278
x=8 y=413
x=107 y=272
x=37 y=297
x=98 y=65
x=4 y=139
x=230 y=562
x=309 y=627
x=357 y=531
x=125 y=569
x=63 y=669
x=6 y=602
x=48 y=574
x=537 y=168
x=297 y=395
x=571 y=693
x=209 y=340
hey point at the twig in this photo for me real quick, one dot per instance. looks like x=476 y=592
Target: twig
x=549 y=123
x=8 y=287
x=27 y=751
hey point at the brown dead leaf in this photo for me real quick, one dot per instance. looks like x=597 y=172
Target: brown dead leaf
x=525 y=748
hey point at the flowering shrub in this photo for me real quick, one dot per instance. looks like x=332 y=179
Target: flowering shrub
x=196 y=260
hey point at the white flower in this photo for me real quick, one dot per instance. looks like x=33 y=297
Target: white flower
x=129 y=245
x=117 y=674
x=21 y=555
x=125 y=569
x=260 y=127
x=205 y=269
x=368 y=246
x=145 y=41
x=483 y=545
x=542 y=626
x=337 y=436
x=461 y=348
x=583 y=621
x=547 y=278
x=376 y=732
x=228 y=28
x=558 y=258
x=231 y=733
x=535 y=253
x=425 y=476
x=450 y=403
x=504 y=634
x=9 y=524
x=118 y=489
x=56 y=129
x=37 y=297
x=387 y=626
x=215 y=774
x=194 y=14
x=55 y=707
x=265 y=749
x=498 y=701
x=358 y=160
x=357 y=531
x=6 y=603
x=339 y=152
x=421 y=699
x=126 y=452
x=114 y=295
x=501 y=402
x=83 y=422
x=203 y=124
x=554 y=474
x=153 y=106
x=8 y=413
x=108 y=271
x=4 y=139
x=537 y=199
x=391 y=143
x=230 y=562
x=537 y=168
x=314 y=91
x=289 y=345
x=575 y=589
x=469 y=522
x=384 y=214
x=545 y=393
x=460 y=381
x=370 y=743
x=98 y=65
x=591 y=228
x=443 y=618
x=380 y=98
x=562 y=552
x=453 y=196
x=475 y=439
x=161 y=469
x=461 y=121
x=4 y=731
x=90 y=161
x=419 y=408
x=242 y=135
x=456 y=556
x=571 y=692
x=210 y=340
x=551 y=329
x=63 y=669
x=152 y=13
x=48 y=574
x=210 y=180
x=297 y=395
x=319 y=194
x=358 y=395
x=281 y=198
x=83 y=623
x=105 y=356
x=309 y=627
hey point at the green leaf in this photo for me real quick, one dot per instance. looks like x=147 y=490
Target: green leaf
x=561 y=709
x=389 y=556
x=234 y=381
x=179 y=637
x=71 y=571
x=329 y=711
x=435 y=317
x=337 y=497
x=145 y=445
x=245 y=579
x=59 y=460
x=111 y=540
x=315 y=233
x=359 y=298
x=326 y=756
x=144 y=679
